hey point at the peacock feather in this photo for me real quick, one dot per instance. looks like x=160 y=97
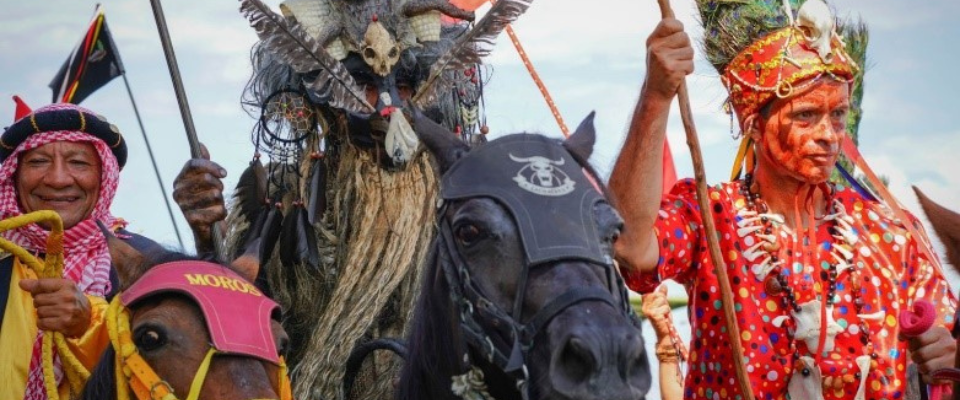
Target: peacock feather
x=729 y=26
x=855 y=38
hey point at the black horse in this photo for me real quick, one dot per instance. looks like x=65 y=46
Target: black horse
x=521 y=299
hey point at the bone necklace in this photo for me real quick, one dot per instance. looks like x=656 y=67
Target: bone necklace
x=762 y=231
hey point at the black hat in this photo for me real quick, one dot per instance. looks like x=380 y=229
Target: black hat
x=61 y=117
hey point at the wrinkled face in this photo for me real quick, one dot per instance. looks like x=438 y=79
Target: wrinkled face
x=588 y=351
x=172 y=337
x=60 y=176
x=801 y=137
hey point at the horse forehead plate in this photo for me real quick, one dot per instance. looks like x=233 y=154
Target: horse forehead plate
x=238 y=315
x=542 y=186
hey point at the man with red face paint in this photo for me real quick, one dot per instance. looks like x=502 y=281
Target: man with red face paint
x=819 y=271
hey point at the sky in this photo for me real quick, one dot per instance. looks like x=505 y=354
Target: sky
x=590 y=55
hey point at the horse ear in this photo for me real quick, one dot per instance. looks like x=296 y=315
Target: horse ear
x=581 y=142
x=442 y=143
x=248 y=264
x=126 y=260
x=946 y=224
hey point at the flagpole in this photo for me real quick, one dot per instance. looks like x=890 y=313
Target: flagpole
x=153 y=160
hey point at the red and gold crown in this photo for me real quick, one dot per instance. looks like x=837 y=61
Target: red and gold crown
x=785 y=62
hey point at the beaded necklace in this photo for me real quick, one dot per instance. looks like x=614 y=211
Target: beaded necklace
x=767 y=264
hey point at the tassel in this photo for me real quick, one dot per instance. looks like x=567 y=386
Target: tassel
x=269 y=234
x=317 y=190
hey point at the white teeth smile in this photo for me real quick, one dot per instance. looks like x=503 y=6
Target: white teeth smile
x=59 y=199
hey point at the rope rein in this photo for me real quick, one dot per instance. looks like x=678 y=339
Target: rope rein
x=51 y=267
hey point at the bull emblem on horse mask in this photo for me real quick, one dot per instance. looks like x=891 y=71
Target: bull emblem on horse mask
x=540 y=177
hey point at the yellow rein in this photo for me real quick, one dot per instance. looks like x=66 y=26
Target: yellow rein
x=51 y=267
x=145 y=383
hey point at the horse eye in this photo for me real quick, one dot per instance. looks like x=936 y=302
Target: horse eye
x=284 y=345
x=149 y=338
x=468 y=235
x=615 y=235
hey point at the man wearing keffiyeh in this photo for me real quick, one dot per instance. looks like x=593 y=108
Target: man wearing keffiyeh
x=65 y=158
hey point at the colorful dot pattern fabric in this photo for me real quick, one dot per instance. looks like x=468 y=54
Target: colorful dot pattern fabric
x=893 y=273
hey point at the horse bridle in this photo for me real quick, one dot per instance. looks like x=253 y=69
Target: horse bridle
x=501 y=337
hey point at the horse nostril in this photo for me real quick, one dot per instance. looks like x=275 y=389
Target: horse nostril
x=576 y=361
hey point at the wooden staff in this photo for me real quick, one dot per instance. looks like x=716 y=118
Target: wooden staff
x=710 y=229
x=181 y=94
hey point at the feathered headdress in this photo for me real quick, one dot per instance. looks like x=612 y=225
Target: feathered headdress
x=768 y=49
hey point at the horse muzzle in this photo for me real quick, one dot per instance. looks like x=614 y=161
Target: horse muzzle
x=596 y=360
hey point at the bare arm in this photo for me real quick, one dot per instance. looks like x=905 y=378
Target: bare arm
x=656 y=308
x=637 y=175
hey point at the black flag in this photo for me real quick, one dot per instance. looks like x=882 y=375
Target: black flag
x=94 y=62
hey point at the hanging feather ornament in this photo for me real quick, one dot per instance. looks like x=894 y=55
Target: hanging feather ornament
x=288 y=236
x=270 y=232
x=250 y=195
x=317 y=203
x=470 y=48
x=293 y=46
x=298 y=240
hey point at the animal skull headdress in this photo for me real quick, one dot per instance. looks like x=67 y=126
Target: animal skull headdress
x=364 y=58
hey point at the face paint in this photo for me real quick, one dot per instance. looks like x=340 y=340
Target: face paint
x=801 y=137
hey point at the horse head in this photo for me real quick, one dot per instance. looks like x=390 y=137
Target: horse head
x=946 y=224
x=196 y=327
x=522 y=273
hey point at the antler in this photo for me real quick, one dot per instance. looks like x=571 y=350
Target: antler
x=473 y=46
x=294 y=47
x=417 y=7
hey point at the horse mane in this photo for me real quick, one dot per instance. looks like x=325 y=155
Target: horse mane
x=102 y=384
x=431 y=356
x=435 y=345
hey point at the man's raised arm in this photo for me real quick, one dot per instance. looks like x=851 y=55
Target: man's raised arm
x=636 y=181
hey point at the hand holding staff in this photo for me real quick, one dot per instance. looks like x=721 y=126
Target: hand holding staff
x=195 y=148
x=726 y=292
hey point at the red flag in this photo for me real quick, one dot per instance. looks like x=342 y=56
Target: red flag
x=669 y=170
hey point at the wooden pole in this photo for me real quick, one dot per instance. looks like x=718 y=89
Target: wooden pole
x=536 y=79
x=181 y=94
x=710 y=230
